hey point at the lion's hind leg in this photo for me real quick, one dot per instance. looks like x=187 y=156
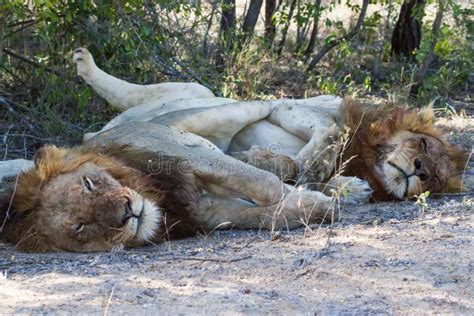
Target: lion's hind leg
x=219 y=123
x=125 y=95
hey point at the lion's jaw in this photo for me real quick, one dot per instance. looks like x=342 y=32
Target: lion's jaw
x=413 y=163
x=144 y=227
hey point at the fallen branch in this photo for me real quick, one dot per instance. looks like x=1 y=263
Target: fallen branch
x=192 y=74
x=18 y=261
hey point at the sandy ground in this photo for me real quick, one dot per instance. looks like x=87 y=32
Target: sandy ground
x=380 y=258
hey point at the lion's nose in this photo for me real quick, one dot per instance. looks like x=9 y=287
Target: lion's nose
x=420 y=170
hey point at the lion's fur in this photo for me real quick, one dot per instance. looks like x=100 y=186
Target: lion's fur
x=372 y=129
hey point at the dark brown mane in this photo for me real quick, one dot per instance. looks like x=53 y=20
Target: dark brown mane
x=372 y=127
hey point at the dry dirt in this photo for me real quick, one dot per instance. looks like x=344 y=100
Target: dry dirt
x=380 y=258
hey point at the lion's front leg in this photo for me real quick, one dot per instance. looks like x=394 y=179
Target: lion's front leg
x=272 y=204
x=317 y=159
x=282 y=166
x=348 y=189
x=296 y=209
x=229 y=178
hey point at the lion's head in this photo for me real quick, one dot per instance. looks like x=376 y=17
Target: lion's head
x=401 y=152
x=78 y=201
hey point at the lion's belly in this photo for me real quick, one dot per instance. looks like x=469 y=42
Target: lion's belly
x=266 y=135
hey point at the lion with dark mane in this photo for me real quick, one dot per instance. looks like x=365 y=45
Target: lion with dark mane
x=401 y=152
x=170 y=167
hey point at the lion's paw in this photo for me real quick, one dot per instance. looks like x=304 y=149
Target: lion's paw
x=358 y=191
x=84 y=62
x=318 y=158
x=304 y=205
x=352 y=190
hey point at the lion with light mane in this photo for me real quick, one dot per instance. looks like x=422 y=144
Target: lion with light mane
x=179 y=161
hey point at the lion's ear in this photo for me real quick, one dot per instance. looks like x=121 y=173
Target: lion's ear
x=47 y=159
x=459 y=159
x=426 y=115
x=458 y=156
x=454 y=184
x=45 y=154
x=352 y=112
x=417 y=121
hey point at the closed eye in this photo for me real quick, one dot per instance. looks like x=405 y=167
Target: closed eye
x=88 y=184
x=424 y=145
x=79 y=228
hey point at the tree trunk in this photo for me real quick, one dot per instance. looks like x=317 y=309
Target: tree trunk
x=284 y=32
x=226 y=31
x=2 y=23
x=420 y=77
x=270 y=28
x=251 y=19
x=205 y=49
x=302 y=32
x=299 y=29
x=314 y=32
x=326 y=48
x=406 y=35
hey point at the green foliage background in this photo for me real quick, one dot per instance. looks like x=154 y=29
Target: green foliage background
x=154 y=41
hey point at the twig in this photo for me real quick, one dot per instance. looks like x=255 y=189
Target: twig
x=31 y=62
x=109 y=301
x=38 y=65
x=208 y=28
x=7 y=214
x=31 y=136
x=24 y=26
x=212 y=259
x=5 y=101
x=452 y=194
x=21 y=22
